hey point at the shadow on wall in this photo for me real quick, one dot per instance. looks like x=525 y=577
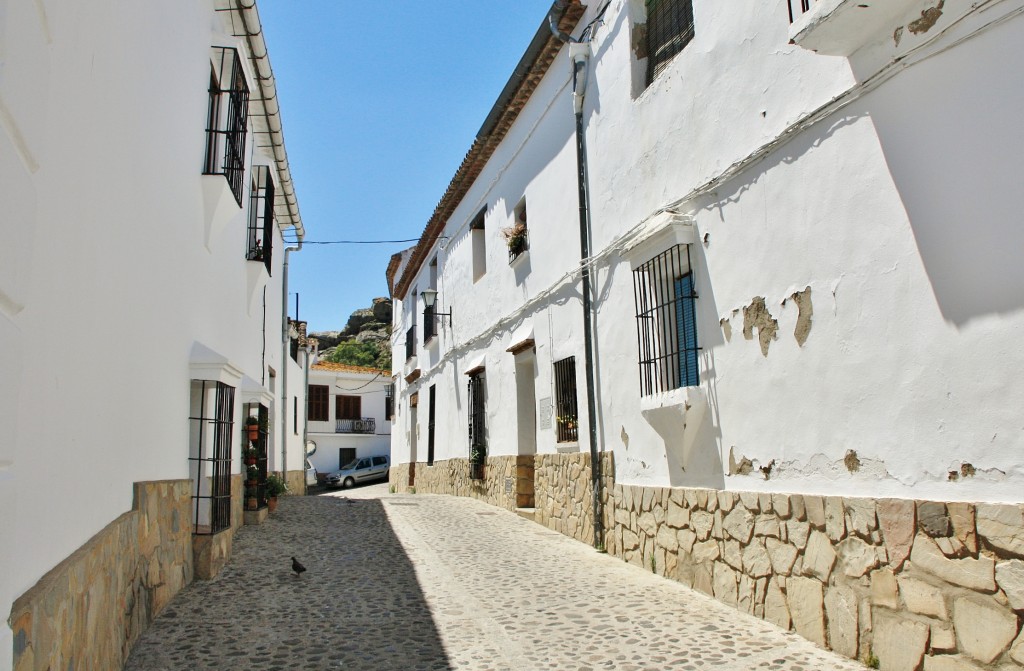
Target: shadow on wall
x=358 y=605
x=955 y=158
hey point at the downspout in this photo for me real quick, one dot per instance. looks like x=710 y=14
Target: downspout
x=284 y=360
x=579 y=53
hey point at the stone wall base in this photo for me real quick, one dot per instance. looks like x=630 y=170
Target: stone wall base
x=211 y=552
x=254 y=517
x=90 y=609
x=296 y=482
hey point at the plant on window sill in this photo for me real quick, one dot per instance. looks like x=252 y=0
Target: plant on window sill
x=515 y=238
x=256 y=253
x=568 y=422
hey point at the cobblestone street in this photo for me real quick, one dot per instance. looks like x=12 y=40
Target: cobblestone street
x=438 y=582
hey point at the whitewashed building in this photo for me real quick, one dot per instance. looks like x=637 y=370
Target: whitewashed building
x=349 y=414
x=148 y=216
x=799 y=277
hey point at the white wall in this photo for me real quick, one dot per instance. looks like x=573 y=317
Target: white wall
x=108 y=274
x=370 y=387
x=896 y=210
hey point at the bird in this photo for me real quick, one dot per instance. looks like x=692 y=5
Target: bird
x=297 y=567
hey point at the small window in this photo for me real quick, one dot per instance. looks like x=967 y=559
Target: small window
x=431 y=415
x=389 y=402
x=317 y=402
x=669 y=30
x=429 y=321
x=516 y=236
x=260 y=237
x=348 y=407
x=476 y=230
x=477 y=424
x=227 y=119
x=567 y=417
x=666 y=322
x=295 y=415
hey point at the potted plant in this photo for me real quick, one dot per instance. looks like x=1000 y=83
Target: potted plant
x=252 y=474
x=250 y=455
x=276 y=486
x=252 y=427
x=477 y=457
x=515 y=238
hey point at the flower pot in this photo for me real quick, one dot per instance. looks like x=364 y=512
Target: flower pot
x=250 y=461
x=250 y=503
x=253 y=431
x=272 y=503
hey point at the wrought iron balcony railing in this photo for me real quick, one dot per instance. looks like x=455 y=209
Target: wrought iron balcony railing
x=364 y=425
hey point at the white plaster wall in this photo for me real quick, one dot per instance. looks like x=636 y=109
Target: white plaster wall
x=107 y=279
x=887 y=209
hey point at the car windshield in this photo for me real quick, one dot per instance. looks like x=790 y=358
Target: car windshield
x=350 y=465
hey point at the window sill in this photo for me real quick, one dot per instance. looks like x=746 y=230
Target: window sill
x=677 y=416
x=518 y=258
x=566 y=448
x=660 y=232
x=841 y=27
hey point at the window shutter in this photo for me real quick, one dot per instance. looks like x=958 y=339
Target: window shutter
x=686 y=328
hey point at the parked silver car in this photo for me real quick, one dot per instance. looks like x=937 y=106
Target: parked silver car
x=360 y=470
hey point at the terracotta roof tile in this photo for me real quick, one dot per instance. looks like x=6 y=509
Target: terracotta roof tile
x=349 y=368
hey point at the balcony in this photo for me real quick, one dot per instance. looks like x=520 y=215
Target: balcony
x=364 y=425
x=841 y=27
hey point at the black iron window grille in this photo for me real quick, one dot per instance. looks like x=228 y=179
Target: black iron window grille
x=669 y=30
x=566 y=413
x=389 y=402
x=210 y=432
x=431 y=415
x=410 y=342
x=227 y=119
x=477 y=426
x=429 y=324
x=358 y=425
x=260 y=234
x=666 y=322
x=318 y=402
x=254 y=456
x=798 y=7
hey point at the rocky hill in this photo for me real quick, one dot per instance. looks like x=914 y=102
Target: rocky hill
x=365 y=339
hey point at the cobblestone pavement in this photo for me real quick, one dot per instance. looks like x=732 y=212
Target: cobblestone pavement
x=437 y=582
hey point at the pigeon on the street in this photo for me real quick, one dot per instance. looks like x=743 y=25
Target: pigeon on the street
x=297 y=567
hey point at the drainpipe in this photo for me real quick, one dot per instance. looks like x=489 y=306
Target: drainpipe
x=284 y=360
x=579 y=53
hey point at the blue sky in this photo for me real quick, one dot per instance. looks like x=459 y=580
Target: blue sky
x=379 y=108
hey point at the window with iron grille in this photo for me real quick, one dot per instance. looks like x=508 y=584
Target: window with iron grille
x=566 y=415
x=666 y=322
x=477 y=424
x=431 y=414
x=429 y=323
x=211 y=431
x=317 y=403
x=669 y=30
x=389 y=401
x=260 y=235
x=410 y=342
x=227 y=119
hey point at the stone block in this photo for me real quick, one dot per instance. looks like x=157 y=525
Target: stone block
x=667 y=538
x=706 y=551
x=732 y=553
x=897 y=520
x=943 y=639
x=962 y=517
x=745 y=594
x=701 y=522
x=702 y=580
x=781 y=505
x=764 y=500
x=712 y=504
x=807 y=607
x=1002 y=527
x=645 y=522
x=677 y=516
x=933 y=519
x=767 y=525
x=835 y=518
x=756 y=562
x=860 y=516
x=819 y=557
x=856 y=557
x=977 y=574
x=899 y=644
x=630 y=541
x=716 y=526
x=1017 y=649
x=798 y=532
x=750 y=501
x=923 y=598
x=797 y=508
x=815 y=508
x=726 y=500
x=949 y=663
x=739 y=524
x=782 y=555
x=725 y=585
x=984 y=629
x=842 y=608
x=1010 y=578
x=685 y=539
x=776 y=609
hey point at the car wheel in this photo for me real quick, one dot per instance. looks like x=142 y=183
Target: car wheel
x=349 y=483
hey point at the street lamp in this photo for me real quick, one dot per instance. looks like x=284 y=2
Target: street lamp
x=429 y=296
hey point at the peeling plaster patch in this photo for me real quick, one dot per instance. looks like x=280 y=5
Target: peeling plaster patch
x=927 y=20
x=756 y=315
x=852 y=461
x=726 y=329
x=625 y=437
x=897 y=35
x=744 y=467
x=767 y=470
x=707 y=240
x=953 y=476
x=967 y=470
x=640 y=40
x=803 y=320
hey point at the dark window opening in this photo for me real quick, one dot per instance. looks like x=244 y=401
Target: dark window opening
x=389 y=402
x=566 y=414
x=346 y=455
x=295 y=415
x=517 y=236
x=478 y=235
x=227 y=119
x=348 y=417
x=477 y=425
x=669 y=30
x=260 y=238
x=666 y=322
x=210 y=431
x=410 y=342
x=317 y=403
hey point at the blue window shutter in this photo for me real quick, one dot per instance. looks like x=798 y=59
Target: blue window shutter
x=686 y=331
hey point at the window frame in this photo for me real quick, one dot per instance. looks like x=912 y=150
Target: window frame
x=260 y=231
x=566 y=400
x=227 y=124
x=670 y=28
x=318 y=403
